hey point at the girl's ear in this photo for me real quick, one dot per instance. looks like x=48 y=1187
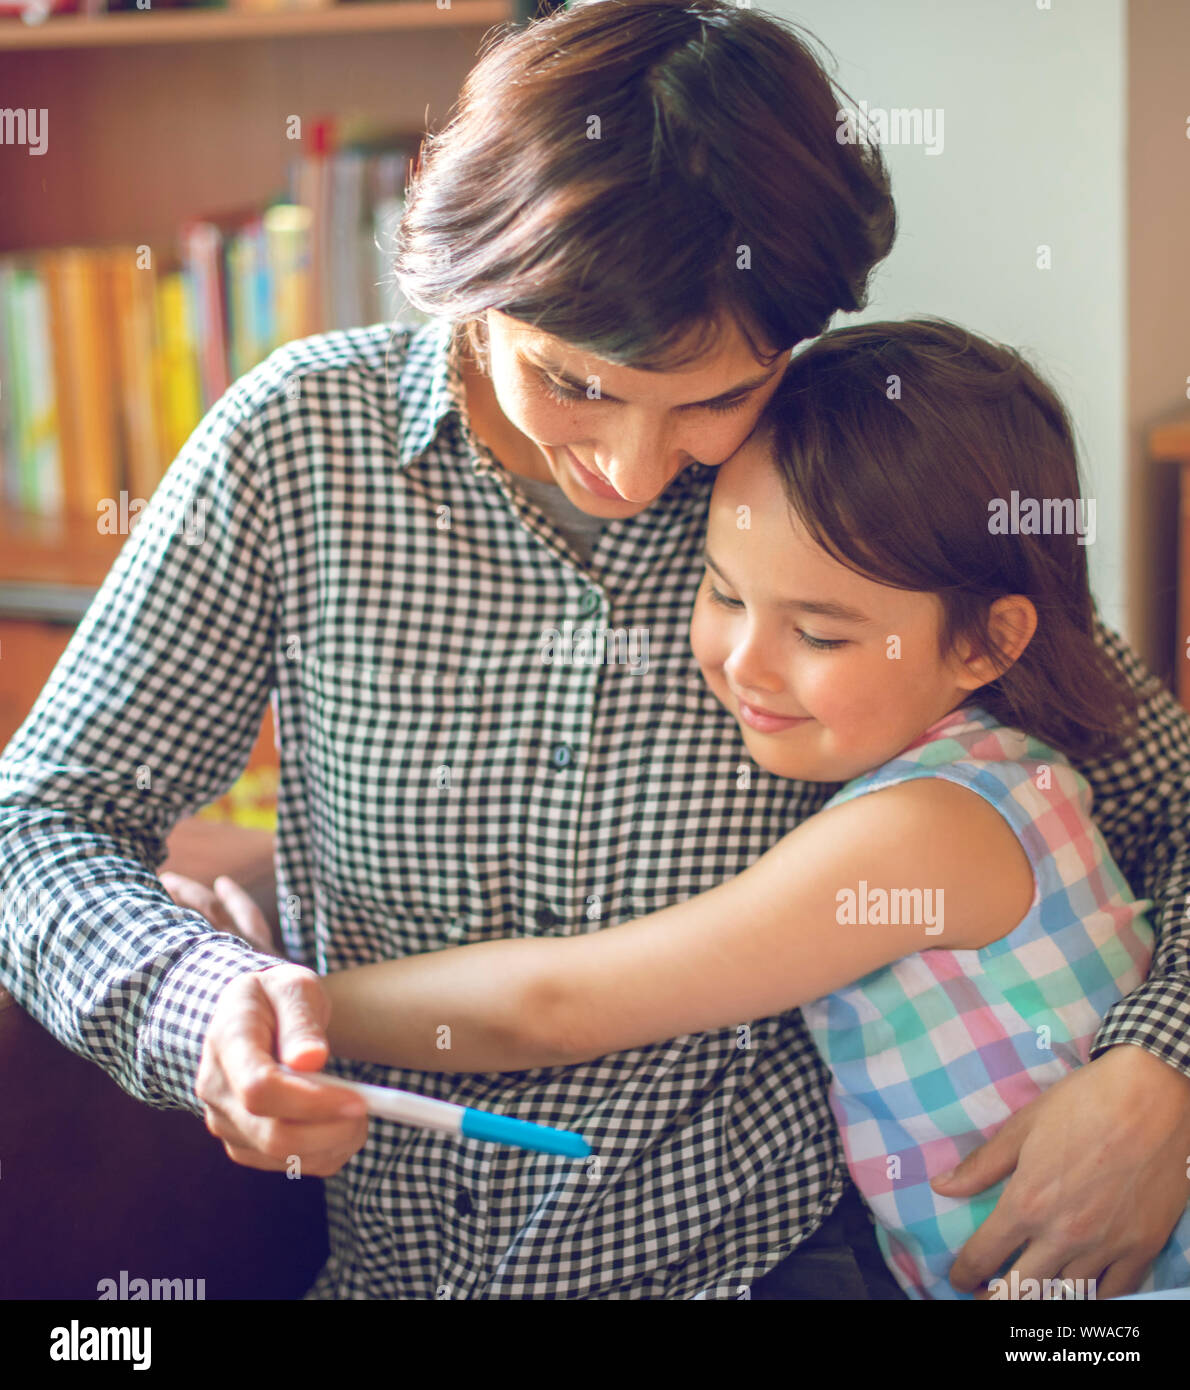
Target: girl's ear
x=1012 y=621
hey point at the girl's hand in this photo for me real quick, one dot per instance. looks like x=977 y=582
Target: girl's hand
x=1099 y=1166
x=226 y=906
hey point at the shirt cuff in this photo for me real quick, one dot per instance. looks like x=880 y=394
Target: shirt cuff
x=1156 y=1017
x=177 y=1021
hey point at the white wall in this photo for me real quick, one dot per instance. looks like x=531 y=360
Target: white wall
x=1033 y=152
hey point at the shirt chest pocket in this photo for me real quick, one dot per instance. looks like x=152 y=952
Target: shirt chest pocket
x=385 y=755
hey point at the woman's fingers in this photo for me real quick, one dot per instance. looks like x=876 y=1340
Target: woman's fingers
x=1000 y=1237
x=264 y=1114
x=302 y=1017
x=1124 y=1276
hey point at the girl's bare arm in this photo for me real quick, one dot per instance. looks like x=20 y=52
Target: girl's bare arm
x=770 y=939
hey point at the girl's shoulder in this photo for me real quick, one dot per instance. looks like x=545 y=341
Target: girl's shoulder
x=971 y=733
x=1045 y=801
x=973 y=748
x=1018 y=841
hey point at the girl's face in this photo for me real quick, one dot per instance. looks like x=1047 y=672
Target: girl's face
x=614 y=438
x=829 y=674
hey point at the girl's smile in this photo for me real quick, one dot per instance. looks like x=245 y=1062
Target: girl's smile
x=765 y=721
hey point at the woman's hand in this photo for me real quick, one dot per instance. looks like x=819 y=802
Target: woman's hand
x=1099 y=1167
x=267 y=1117
x=226 y=906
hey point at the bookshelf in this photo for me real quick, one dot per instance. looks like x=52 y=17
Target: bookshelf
x=210 y=26
x=151 y=124
x=159 y=117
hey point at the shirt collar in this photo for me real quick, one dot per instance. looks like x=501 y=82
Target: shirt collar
x=429 y=388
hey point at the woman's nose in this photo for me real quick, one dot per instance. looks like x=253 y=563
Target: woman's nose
x=640 y=464
x=641 y=483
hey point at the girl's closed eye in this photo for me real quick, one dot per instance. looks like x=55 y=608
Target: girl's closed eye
x=721 y=599
x=818 y=644
x=821 y=644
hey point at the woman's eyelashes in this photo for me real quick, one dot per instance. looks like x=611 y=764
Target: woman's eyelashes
x=819 y=644
x=562 y=391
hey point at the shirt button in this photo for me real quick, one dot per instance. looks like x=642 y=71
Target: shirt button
x=463 y=1203
x=563 y=756
x=590 y=601
x=547 y=917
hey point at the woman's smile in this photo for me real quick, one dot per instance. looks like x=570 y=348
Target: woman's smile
x=593 y=482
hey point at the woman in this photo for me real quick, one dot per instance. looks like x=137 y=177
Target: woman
x=429 y=550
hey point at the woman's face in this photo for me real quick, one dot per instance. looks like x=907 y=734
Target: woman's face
x=614 y=438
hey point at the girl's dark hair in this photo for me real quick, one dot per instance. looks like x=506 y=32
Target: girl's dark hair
x=627 y=175
x=899 y=446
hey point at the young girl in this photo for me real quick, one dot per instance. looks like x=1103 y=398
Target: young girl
x=896 y=598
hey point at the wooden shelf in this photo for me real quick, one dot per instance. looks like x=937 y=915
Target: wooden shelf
x=136 y=27
x=54 y=553
x=1171 y=440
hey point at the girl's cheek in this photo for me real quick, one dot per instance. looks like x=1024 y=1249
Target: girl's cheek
x=808 y=683
x=535 y=420
x=708 y=642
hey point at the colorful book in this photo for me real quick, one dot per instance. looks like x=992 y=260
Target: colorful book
x=90 y=374
x=202 y=257
x=132 y=289
x=287 y=230
x=176 y=378
x=249 y=297
x=34 y=482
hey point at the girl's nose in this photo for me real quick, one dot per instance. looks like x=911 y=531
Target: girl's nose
x=747 y=669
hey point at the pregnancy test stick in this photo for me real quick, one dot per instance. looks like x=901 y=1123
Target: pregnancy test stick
x=408 y=1108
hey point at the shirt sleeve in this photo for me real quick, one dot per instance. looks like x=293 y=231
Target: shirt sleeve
x=1142 y=809
x=150 y=713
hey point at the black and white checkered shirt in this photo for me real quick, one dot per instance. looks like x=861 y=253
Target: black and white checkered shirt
x=331 y=531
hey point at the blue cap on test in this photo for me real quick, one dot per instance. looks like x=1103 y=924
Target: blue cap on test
x=503 y=1129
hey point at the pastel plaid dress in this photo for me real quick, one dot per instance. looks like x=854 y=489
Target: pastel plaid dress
x=932 y=1054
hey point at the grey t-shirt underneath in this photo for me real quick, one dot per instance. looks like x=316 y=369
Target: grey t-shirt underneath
x=580 y=529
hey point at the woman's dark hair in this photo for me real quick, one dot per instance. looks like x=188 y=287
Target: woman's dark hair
x=899 y=447
x=627 y=175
